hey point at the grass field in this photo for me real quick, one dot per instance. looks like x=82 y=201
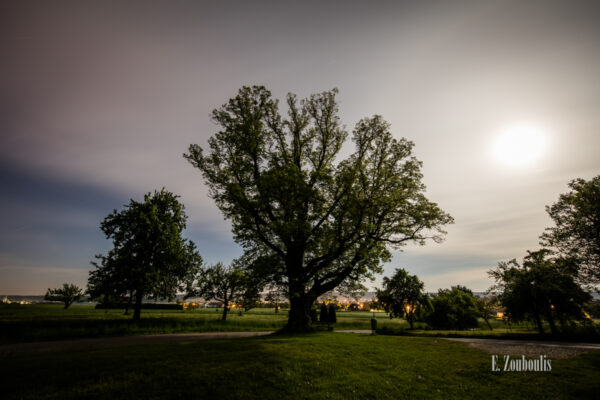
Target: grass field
x=20 y=323
x=317 y=366
x=35 y=322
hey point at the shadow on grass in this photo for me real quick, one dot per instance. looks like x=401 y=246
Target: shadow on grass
x=312 y=366
x=59 y=329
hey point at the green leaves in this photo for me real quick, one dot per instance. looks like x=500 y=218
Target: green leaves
x=149 y=256
x=281 y=183
x=541 y=288
x=226 y=284
x=454 y=308
x=576 y=233
x=402 y=295
x=68 y=294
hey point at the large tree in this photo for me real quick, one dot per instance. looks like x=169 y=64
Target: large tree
x=149 y=255
x=322 y=221
x=576 y=233
x=402 y=295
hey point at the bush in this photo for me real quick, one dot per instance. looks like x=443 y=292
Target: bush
x=332 y=319
x=453 y=309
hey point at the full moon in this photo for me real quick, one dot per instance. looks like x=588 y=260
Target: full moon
x=519 y=145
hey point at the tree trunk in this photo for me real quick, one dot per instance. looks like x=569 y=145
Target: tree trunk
x=137 y=310
x=225 y=309
x=538 y=321
x=67 y=304
x=487 y=321
x=552 y=324
x=128 y=306
x=299 y=316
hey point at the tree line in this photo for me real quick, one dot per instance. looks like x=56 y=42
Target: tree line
x=553 y=283
x=308 y=221
x=550 y=286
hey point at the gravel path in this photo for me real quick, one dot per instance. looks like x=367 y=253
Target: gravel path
x=553 y=350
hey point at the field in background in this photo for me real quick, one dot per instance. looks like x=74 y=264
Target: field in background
x=37 y=322
x=318 y=366
x=20 y=323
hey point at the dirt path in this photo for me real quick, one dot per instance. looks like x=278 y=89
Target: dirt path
x=553 y=350
x=81 y=344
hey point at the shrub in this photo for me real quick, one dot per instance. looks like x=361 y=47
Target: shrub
x=332 y=319
x=453 y=309
x=324 y=316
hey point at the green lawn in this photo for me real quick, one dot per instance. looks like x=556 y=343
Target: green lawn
x=318 y=366
x=22 y=323
x=19 y=323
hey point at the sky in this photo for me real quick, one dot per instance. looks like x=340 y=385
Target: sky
x=99 y=100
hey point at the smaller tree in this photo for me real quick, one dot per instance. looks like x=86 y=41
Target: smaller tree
x=486 y=306
x=251 y=297
x=223 y=284
x=453 y=308
x=68 y=294
x=150 y=257
x=275 y=297
x=402 y=295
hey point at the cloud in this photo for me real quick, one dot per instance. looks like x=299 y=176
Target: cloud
x=98 y=104
x=34 y=280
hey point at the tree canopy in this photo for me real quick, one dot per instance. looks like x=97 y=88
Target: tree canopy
x=453 y=308
x=149 y=255
x=539 y=289
x=323 y=222
x=402 y=295
x=225 y=284
x=576 y=233
x=68 y=294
